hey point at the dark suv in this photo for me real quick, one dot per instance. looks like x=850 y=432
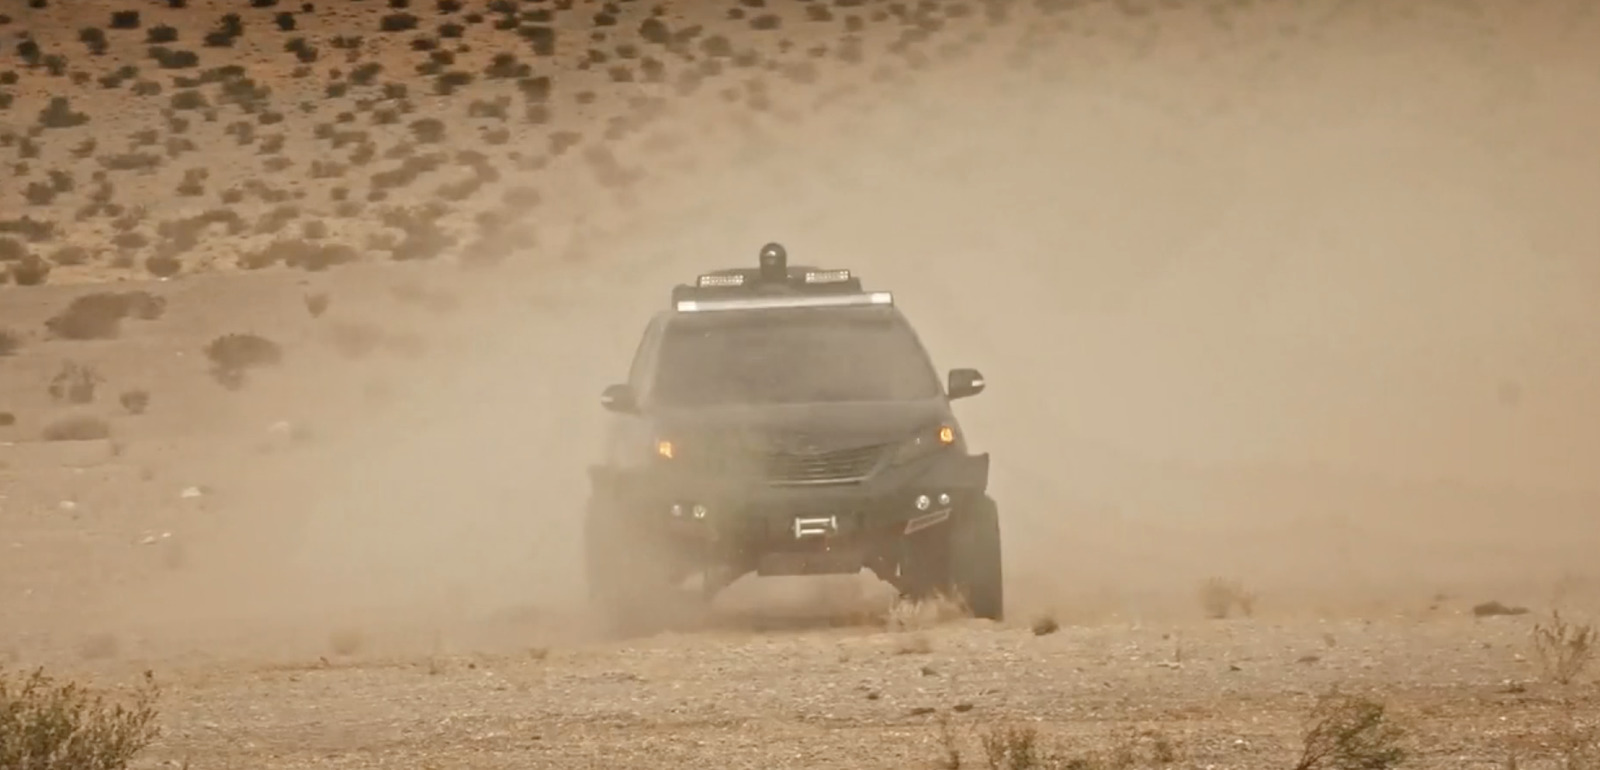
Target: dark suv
x=783 y=421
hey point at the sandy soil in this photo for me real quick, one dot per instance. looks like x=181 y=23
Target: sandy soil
x=1293 y=296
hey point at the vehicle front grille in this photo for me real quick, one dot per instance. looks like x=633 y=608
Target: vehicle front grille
x=776 y=466
x=820 y=467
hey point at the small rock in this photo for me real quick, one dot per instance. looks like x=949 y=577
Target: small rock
x=962 y=707
x=922 y=711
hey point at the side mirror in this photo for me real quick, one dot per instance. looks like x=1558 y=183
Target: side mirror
x=964 y=382
x=619 y=398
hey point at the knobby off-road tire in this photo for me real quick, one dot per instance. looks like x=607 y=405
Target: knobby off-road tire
x=976 y=570
x=961 y=559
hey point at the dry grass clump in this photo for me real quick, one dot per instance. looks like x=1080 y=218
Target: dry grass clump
x=233 y=355
x=1019 y=747
x=1564 y=649
x=83 y=427
x=1219 y=598
x=10 y=342
x=1344 y=733
x=99 y=316
x=46 y=724
x=1351 y=733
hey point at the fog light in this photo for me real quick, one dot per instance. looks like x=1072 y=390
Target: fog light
x=923 y=502
x=699 y=511
x=944 y=498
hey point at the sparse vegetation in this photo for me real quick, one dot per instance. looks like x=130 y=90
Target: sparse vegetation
x=75 y=383
x=232 y=356
x=1220 y=598
x=1564 y=649
x=99 y=316
x=10 y=343
x=135 y=401
x=47 y=724
x=1351 y=733
x=81 y=427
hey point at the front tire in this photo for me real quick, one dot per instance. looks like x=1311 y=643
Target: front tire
x=629 y=574
x=960 y=558
x=976 y=568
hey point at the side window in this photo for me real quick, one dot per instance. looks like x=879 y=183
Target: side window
x=644 y=358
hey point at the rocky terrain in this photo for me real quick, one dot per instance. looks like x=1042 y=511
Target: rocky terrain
x=1287 y=310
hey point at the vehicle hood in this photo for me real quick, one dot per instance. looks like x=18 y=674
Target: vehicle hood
x=802 y=427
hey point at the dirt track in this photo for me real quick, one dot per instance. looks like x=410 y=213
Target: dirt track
x=1294 y=295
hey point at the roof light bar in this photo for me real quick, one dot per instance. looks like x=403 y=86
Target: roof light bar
x=827 y=276
x=704 y=281
x=780 y=303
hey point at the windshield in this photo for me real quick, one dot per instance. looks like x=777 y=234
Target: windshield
x=792 y=356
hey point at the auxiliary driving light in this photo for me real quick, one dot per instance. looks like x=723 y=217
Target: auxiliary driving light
x=664 y=449
x=677 y=511
x=923 y=502
x=699 y=511
x=944 y=498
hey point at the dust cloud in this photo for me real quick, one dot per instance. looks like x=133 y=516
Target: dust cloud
x=1305 y=300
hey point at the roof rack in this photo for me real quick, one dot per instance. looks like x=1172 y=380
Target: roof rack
x=774 y=284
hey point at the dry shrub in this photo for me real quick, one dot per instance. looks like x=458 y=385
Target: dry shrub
x=1012 y=747
x=99 y=316
x=75 y=383
x=77 y=428
x=232 y=355
x=1564 y=649
x=10 y=342
x=1045 y=625
x=1220 y=597
x=1018 y=747
x=50 y=725
x=135 y=401
x=1351 y=733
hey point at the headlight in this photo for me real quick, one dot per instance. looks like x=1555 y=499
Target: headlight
x=924 y=443
x=665 y=449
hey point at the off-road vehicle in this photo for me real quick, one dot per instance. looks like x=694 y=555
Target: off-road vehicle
x=784 y=421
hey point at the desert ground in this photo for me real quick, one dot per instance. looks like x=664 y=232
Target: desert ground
x=1288 y=311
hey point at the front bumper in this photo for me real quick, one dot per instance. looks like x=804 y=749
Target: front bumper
x=753 y=517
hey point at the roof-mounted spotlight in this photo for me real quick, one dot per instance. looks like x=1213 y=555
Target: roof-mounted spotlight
x=774 y=263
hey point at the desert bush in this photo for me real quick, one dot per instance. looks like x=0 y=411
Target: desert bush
x=1350 y=733
x=1018 y=747
x=10 y=342
x=75 y=383
x=46 y=724
x=59 y=114
x=135 y=401
x=1564 y=649
x=83 y=427
x=99 y=316
x=31 y=270
x=398 y=22
x=233 y=355
x=1220 y=597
